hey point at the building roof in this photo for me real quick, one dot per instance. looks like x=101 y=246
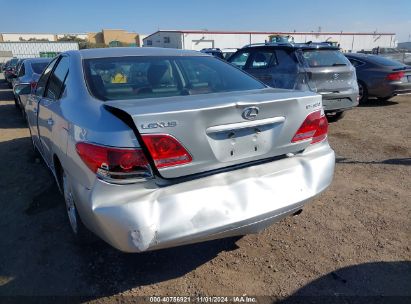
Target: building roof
x=267 y=33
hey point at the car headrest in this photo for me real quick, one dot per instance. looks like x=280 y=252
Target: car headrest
x=155 y=73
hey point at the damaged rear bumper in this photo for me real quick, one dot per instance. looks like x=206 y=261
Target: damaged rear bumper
x=140 y=217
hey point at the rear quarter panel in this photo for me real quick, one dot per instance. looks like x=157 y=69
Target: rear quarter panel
x=86 y=119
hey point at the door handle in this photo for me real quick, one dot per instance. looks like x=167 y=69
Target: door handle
x=50 y=122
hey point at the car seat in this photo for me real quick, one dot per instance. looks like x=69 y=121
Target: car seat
x=155 y=74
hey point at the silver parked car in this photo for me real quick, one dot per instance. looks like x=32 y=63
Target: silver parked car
x=317 y=67
x=26 y=79
x=155 y=148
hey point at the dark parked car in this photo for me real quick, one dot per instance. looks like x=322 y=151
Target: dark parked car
x=10 y=70
x=16 y=70
x=380 y=77
x=214 y=52
x=316 y=67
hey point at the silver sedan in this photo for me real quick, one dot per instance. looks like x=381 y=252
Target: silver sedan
x=26 y=78
x=154 y=148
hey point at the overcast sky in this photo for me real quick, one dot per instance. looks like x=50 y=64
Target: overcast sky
x=145 y=17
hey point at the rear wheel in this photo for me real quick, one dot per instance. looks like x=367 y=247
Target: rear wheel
x=362 y=92
x=81 y=233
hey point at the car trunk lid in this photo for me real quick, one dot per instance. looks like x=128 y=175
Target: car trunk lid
x=224 y=129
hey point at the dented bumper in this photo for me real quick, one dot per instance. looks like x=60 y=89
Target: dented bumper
x=140 y=217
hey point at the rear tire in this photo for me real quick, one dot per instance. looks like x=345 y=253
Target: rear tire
x=81 y=234
x=362 y=92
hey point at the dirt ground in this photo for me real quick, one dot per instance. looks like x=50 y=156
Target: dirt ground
x=353 y=240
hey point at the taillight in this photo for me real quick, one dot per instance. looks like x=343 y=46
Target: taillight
x=395 y=76
x=165 y=150
x=314 y=127
x=115 y=164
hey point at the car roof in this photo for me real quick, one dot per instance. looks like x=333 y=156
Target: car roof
x=34 y=60
x=377 y=60
x=211 y=49
x=357 y=55
x=362 y=56
x=133 y=51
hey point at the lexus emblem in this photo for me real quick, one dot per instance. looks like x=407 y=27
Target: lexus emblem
x=250 y=113
x=336 y=76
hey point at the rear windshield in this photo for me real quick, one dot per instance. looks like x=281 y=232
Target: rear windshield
x=38 y=67
x=324 y=58
x=149 y=77
x=386 y=62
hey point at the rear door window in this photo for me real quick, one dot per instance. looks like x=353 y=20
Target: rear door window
x=286 y=60
x=56 y=84
x=38 y=67
x=240 y=59
x=22 y=70
x=356 y=63
x=324 y=58
x=41 y=84
x=263 y=59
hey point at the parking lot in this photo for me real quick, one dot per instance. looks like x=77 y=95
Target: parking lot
x=352 y=240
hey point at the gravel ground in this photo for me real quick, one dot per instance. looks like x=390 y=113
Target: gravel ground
x=353 y=240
